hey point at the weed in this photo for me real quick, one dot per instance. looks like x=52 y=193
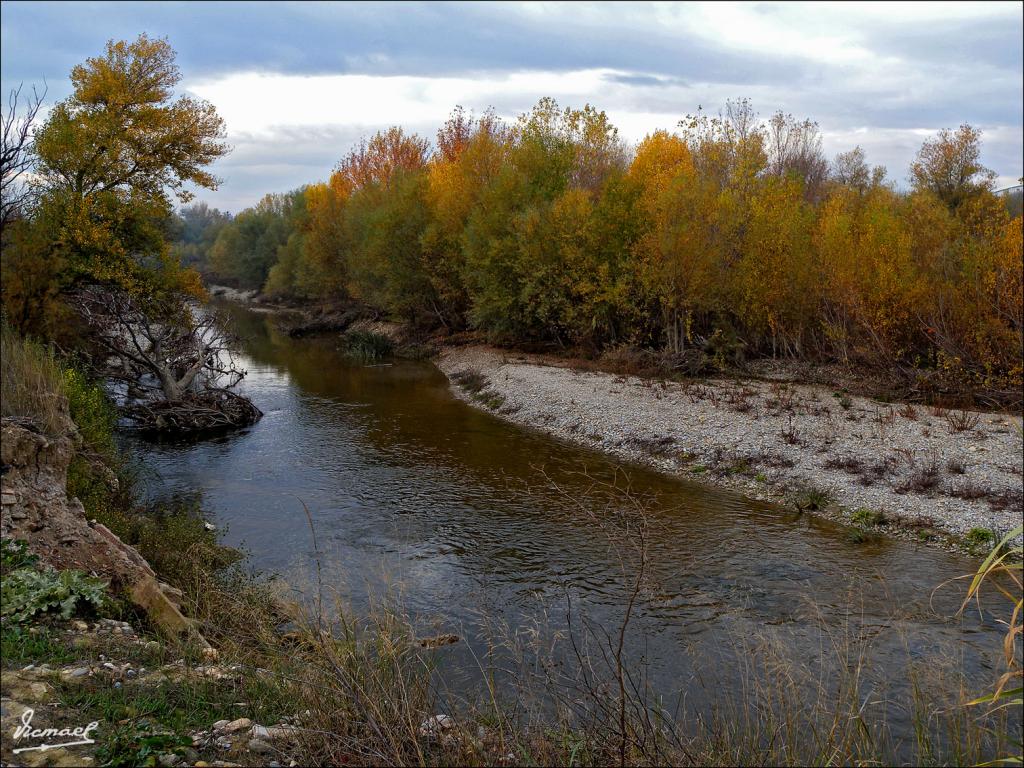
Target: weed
x=808 y=498
x=980 y=537
x=970 y=491
x=868 y=517
x=962 y=421
x=14 y=554
x=367 y=346
x=790 y=434
x=857 y=536
x=131 y=747
x=490 y=399
x=908 y=412
x=27 y=592
x=955 y=467
x=470 y=380
x=31 y=384
x=844 y=400
x=921 y=480
x=850 y=464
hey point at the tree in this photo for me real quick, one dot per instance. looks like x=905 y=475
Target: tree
x=109 y=154
x=851 y=169
x=179 y=370
x=794 y=149
x=16 y=155
x=950 y=166
x=377 y=160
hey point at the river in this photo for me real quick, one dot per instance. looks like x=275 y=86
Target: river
x=466 y=520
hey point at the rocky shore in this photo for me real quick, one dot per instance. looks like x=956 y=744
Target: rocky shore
x=913 y=469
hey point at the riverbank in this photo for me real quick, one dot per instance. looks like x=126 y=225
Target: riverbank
x=914 y=470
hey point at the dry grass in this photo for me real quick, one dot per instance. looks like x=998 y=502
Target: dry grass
x=32 y=387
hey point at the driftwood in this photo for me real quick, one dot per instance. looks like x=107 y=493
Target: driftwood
x=209 y=410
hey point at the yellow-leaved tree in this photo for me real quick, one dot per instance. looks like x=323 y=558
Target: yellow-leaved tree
x=111 y=156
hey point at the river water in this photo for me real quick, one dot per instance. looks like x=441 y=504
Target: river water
x=467 y=521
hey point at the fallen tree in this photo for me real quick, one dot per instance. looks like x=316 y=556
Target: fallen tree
x=174 y=358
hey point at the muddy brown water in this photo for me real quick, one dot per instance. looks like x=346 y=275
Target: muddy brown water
x=466 y=520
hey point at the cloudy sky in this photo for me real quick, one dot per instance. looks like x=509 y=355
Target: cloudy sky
x=299 y=84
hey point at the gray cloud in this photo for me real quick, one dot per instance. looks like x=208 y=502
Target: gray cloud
x=891 y=70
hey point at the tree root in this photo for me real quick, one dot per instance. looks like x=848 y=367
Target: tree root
x=209 y=410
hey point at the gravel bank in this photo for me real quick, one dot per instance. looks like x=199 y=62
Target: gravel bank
x=923 y=469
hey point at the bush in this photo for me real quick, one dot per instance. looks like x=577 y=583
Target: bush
x=91 y=410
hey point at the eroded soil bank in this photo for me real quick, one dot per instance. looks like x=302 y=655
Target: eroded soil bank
x=922 y=470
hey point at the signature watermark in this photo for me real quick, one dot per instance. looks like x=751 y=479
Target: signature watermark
x=79 y=735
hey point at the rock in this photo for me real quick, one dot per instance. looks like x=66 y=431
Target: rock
x=210 y=653
x=260 y=747
x=436 y=724
x=168 y=760
x=77 y=672
x=165 y=614
x=79 y=626
x=438 y=640
x=55 y=525
x=235 y=725
x=210 y=526
x=219 y=725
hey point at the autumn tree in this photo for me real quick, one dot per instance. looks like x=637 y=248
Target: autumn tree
x=471 y=152
x=376 y=161
x=111 y=155
x=794 y=149
x=950 y=166
x=851 y=169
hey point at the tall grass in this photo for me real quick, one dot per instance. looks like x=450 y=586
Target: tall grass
x=31 y=383
x=367 y=346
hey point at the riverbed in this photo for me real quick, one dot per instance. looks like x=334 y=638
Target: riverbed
x=479 y=527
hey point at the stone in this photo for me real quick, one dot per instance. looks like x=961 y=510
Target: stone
x=79 y=626
x=436 y=724
x=259 y=747
x=219 y=725
x=235 y=725
x=77 y=672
